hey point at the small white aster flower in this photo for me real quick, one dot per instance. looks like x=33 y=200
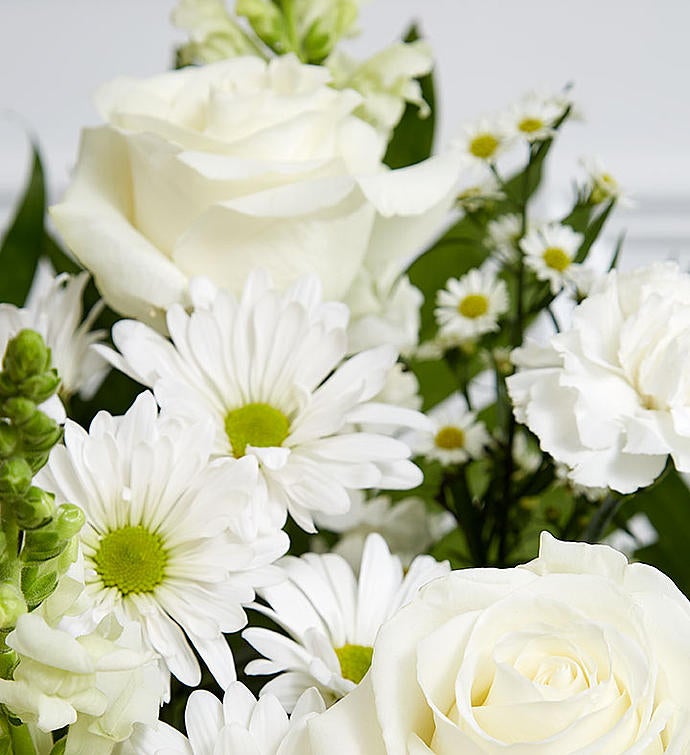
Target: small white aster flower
x=407 y=526
x=332 y=618
x=168 y=540
x=266 y=371
x=477 y=186
x=53 y=308
x=483 y=141
x=534 y=116
x=503 y=236
x=241 y=725
x=602 y=184
x=470 y=306
x=456 y=435
x=550 y=251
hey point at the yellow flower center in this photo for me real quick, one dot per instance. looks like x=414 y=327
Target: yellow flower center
x=473 y=305
x=131 y=559
x=450 y=438
x=354 y=661
x=255 y=425
x=556 y=258
x=484 y=146
x=530 y=124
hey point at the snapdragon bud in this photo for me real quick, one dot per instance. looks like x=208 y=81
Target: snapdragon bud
x=12 y=605
x=15 y=477
x=40 y=432
x=18 y=409
x=39 y=582
x=9 y=438
x=35 y=508
x=267 y=21
x=40 y=388
x=52 y=539
x=26 y=355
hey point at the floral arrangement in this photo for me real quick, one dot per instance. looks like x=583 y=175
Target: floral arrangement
x=351 y=451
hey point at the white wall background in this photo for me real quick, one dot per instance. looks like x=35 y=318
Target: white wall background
x=628 y=59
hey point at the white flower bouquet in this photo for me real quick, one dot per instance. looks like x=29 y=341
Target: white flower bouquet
x=337 y=459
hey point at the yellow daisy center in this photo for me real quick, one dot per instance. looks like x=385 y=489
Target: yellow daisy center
x=483 y=145
x=354 y=661
x=556 y=258
x=473 y=305
x=256 y=424
x=530 y=124
x=450 y=438
x=131 y=559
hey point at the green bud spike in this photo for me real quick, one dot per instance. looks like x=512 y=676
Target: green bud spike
x=39 y=430
x=9 y=437
x=37 y=460
x=68 y=520
x=267 y=21
x=38 y=586
x=18 y=409
x=34 y=509
x=40 y=388
x=42 y=544
x=26 y=355
x=12 y=605
x=15 y=477
x=7 y=387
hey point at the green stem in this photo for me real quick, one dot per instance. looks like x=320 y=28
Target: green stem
x=601 y=519
x=21 y=740
x=291 y=25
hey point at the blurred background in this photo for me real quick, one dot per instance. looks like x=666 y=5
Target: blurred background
x=628 y=60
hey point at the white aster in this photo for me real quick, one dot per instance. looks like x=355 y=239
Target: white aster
x=470 y=306
x=331 y=618
x=483 y=141
x=53 y=308
x=550 y=251
x=169 y=540
x=455 y=436
x=610 y=397
x=603 y=186
x=407 y=526
x=240 y=725
x=266 y=372
x=533 y=118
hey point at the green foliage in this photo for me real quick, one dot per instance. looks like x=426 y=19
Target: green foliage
x=413 y=138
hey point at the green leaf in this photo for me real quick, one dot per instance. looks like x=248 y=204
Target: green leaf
x=22 y=244
x=413 y=138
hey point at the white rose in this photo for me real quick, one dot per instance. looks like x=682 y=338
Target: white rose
x=610 y=397
x=575 y=652
x=241 y=164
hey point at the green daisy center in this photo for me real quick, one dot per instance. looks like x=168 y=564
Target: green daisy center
x=131 y=559
x=450 y=438
x=473 y=305
x=556 y=258
x=483 y=145
x=255 y=425
x=530 y=125
x=354 y=661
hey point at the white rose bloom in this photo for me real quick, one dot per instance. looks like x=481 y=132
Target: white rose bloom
x=241 y=725
x=610 y=396
x=575 y=652
x=242 y=163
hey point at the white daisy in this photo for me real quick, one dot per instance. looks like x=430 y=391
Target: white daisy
x=550 y=251
x=469 y=307
x=456 y=435
x=483 y=141
x=602 y=184
x=53 y=308
x=240 y=725
x=267 y=372
x=332 y=618
x=407 y=526
x=503 y=236
x=534 y=117
x=167 y=541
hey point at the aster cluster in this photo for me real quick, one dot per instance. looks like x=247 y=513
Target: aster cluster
x=247 y=501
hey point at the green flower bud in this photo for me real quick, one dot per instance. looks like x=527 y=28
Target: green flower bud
x=9 y=437
x=318 y=42
x=35 y=508
x=266 y=20
x=40 y=388
x=68 y=520
x=15 y=477
x=8 y=663
x=12 y=605
x=7 y=387
x=18 y=409
x=42 y=544
x=38 y=584
x=37 y=459
x=26 y=355
x=40 y=432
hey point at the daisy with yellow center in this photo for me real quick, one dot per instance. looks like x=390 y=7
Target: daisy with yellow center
x=550 y=251
x=534 y=117
x=267 y=372
x=470 y=306
x=331 y=616
x=456 y=435
x=483 y=141
x=170 y=540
